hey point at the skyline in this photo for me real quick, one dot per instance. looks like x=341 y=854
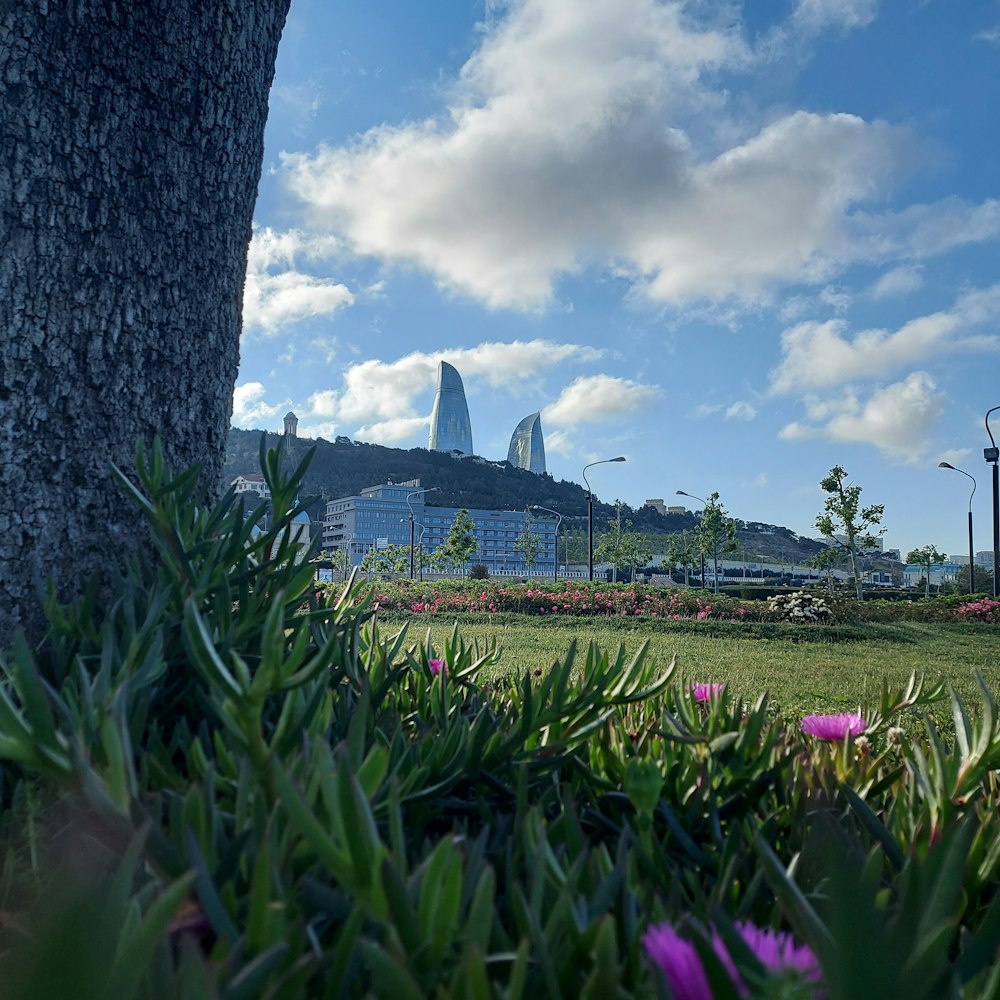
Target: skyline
x=737 y=244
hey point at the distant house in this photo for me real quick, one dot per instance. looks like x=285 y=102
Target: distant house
x=253 y=482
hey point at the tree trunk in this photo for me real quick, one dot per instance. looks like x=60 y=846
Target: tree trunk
x=132 y=147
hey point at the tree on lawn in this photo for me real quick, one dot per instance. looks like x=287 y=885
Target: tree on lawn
x=393 y=560
x=716 y=532
x=925 y=557
x=637 y=551
x=133 y=140
x=460 y=543
x=526 y=545
x=845 y=522
x=826 y=561
x=682 y=550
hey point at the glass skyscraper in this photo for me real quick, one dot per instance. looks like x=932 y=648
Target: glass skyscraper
x=451 y=429
x=527 y=449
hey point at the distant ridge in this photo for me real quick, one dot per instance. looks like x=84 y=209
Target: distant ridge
x=343 y=468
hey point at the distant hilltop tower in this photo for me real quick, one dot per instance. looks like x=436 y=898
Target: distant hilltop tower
x=291 y=424
x=451 y=429
x=527 y=449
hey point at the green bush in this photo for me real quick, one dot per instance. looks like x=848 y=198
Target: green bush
x=216 y=784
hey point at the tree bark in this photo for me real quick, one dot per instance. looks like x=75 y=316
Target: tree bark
x=132 y=139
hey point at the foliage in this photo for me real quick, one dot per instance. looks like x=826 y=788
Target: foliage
x=392 y=560
x=478 y=572
x=716 y=532
x=215 y=784
x=460 y=543
x=620 y=546
x=800 y=606
x=845 y=522
x=526 y=544
x=682 y=550
x=926 y=556
x=986 y=609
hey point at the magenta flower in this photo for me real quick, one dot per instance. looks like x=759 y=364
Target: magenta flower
x=833 y=727
x=778 y=951
x=437 y=667
x=705 y=692
x=679 y=962
x=677 y=957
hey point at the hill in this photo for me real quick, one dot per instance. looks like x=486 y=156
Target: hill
x=343 y=468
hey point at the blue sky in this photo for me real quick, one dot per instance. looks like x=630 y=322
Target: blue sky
x=738 y=244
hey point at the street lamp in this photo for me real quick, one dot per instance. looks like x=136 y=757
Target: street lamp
x=704 y=503
x=590 y=512
x=991 y=455
x=416 y=493
x=555 y=562
x=972 y=552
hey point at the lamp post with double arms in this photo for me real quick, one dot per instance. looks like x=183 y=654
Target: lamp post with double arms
x=416 y=493
x=992 y=456
x=555 y=558
x=590 y=512
x=704 y=503
x=972 y=551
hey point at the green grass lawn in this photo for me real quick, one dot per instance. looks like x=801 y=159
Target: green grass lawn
x=805 y=668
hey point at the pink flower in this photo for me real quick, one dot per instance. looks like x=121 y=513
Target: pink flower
x=778 y=951
x=437 y=667
x=679 y=961
x=705 y=692
x=833 y=727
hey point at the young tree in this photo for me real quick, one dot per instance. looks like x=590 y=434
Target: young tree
x=393 y=560
x=826 y=560
x=682 y=551
x=611 y=546
x=133 y=141
x=926 y=556
x=527 y=543
x=845 y=522
x=460 y=543
x=716 y=532
x=637 y=551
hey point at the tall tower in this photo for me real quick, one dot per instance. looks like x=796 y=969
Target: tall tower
x=451 y=429
x=527 y=449
x=291 y=424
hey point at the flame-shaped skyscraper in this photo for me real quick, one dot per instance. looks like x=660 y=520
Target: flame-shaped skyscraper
x=527 y=449
x=451 y=429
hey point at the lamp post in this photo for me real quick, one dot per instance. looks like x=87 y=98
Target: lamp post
x=555 y=558
x=704 y=503
x=590 y=512
x=992 y=455
x=972 y=551
x=416 y=493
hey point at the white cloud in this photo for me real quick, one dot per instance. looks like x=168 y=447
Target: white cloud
x=741 y=410
x=249 y=408
x=955 y=456
x=276 y=294
x=597 y=398
x=379 y=398
x=899 y=281
x=820 y=355
x=898 y=419
x=761 y=479
x=814 y=16
x=589 y=133
x=991 y=35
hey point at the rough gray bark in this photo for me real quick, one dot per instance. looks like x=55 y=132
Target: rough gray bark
x=132 y=141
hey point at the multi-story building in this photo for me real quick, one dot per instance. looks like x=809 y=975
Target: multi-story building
x=380 y=516
x=527 y=447
x=451 y=429
x=253 y=482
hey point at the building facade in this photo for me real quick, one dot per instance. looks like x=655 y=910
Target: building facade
x=527 y=447
x=253 y=482
x=380 y=517
x=451 y=429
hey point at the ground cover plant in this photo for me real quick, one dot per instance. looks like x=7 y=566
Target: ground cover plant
x=216 y=785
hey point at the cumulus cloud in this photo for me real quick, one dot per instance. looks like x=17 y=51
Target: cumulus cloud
x=597 y=398
x=592 y=134
x=249 y=408
x=823 y=354
x=813 y=16
x=276 y=294
x=899 y=281
x=378 y=399
x=898 y=419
